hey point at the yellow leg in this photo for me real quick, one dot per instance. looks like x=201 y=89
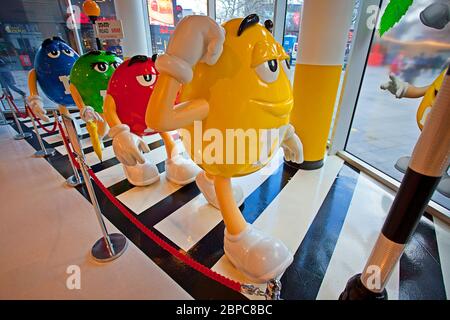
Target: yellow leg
x=169 y=143
x=63 y=110
x=101 y=127
x=232 y=216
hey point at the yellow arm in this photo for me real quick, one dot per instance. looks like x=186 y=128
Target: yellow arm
x=109 y=112
x=415 y=92
x=162 y=115
x=32 y=83
x=76 y=96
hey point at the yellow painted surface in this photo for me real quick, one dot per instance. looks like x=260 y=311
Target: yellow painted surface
x=315 y=89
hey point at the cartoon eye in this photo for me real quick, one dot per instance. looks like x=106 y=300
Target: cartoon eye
x=54 y=54
x=115 y=65
x=286 y=66
x=101 y=67
x=68 y=52
x=146 y=80
x=268 y=71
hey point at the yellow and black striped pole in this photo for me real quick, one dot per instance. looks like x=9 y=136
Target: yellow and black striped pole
x=322 y=40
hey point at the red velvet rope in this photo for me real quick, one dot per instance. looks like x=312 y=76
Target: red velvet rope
x=19 y=113
x=234 y=285
x=52 y=130
x=67 y=145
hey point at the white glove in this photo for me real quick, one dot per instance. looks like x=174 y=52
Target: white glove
x=187 y=47
x=395 y=86
x=127 y=147
x=88 y=113
x=37 y=106
x=292 y=146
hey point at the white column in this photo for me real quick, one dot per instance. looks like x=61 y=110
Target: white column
x=131 y=13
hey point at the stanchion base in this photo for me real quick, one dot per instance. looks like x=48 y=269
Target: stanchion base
x=20 y=136
x=6 y=122
x=45 y=153
x=355 y=290
x=100 y=251
x=306 y=165
x=73 y=182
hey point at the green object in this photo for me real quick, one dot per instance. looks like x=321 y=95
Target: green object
x=395 y=10
x=90 y=74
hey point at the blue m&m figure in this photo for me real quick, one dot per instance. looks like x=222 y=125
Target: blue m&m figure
x=52 y=66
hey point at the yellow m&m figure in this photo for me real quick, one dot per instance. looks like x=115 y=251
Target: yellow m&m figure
x=234 y=114
x=403 y=89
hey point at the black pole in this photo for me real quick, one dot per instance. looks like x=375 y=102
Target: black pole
x=97 y=40
x=429 y=161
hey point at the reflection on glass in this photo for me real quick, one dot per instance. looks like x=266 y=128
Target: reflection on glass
x=86 y=30
x=164 y=15
x=23 y=27
x=229 y=9
x=385 y=128
x=291 y=28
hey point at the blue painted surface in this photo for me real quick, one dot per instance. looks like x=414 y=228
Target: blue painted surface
x=303 y=278
x=54 y=60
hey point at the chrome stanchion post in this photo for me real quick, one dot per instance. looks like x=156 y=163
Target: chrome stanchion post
x=110 y=246
x=3 y=120
x=44 y=152
x=21 y=135
x=75 y=179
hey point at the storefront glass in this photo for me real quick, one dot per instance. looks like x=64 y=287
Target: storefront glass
x=25 y=24
x=23 y=27
x=229 y=9
x=386 y=128
x=86 y=30
x=291 y=28
x=164 y=15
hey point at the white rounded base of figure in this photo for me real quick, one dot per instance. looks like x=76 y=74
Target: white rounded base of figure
x=444 y=185
x=206 y=186
x=402 y=164
x=257 y=256
x=141 y=175
x=180 y=170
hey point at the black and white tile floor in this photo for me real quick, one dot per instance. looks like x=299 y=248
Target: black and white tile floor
x=330 y=218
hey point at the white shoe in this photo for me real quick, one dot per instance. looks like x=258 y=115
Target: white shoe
x=180 y=170
x=402 y=164
x=141 y=175
x=206 y=186
x=444 y=186
x=258 y=256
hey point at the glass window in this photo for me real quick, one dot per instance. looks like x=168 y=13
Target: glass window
x=229 y=9
x=164 y=16
x=291 y=28
x=86 y=30
x=385 y=128
x=23 y=27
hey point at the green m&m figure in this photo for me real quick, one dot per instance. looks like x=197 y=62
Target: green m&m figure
x=89 y=79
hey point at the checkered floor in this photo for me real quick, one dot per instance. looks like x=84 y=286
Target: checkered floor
x=329 y=218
